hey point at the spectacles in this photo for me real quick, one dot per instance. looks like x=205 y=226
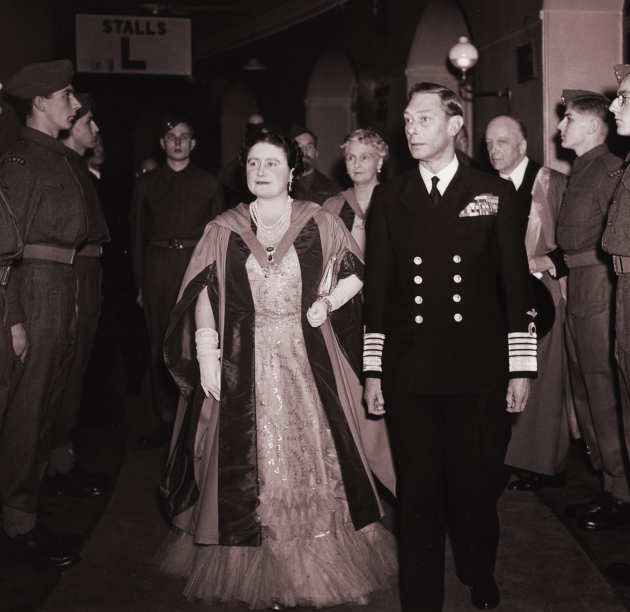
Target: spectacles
x=622 y=99
x=178 y=137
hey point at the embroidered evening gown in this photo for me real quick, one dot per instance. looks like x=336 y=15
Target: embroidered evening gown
x=311 y=555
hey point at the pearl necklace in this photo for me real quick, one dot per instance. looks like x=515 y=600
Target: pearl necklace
x=270 y=235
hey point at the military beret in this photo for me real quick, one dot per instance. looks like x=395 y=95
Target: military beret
x=40 y=79
x=87 y=104
x=621 y=71
x=575 y=95
x=170 y=120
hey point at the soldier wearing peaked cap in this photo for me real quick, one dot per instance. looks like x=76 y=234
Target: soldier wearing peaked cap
x=49 y=205
x=445 y=352
x=581 y=221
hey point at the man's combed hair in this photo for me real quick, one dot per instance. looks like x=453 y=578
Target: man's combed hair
x=451 y=102
x=594 y=105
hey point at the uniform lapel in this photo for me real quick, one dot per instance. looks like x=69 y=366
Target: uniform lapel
x=455 y=194
x=414 y=195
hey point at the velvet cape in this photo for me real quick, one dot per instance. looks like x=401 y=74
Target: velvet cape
x=210 y=484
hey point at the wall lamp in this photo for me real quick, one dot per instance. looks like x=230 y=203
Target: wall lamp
x=464 y=55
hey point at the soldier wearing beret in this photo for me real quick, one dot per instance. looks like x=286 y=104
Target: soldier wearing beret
x=616 y=241
x=446 y=353
x=64 y=475
x=171 y=206
x=583 y=212
x=49 y=205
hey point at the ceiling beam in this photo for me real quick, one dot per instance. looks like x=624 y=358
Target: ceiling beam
x=262 y=25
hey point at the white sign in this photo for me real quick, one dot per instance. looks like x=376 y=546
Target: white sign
x=133 y=45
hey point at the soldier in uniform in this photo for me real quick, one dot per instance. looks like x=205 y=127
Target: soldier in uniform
x=49 y=205
x=312 y=185
x=65 y=477
x=616 y=241
x=13 y=340
x=591 y=185
x=446 y=353
x=171 y=207
x=540 y=434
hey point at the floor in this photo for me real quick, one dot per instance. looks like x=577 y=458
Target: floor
x=545 y=562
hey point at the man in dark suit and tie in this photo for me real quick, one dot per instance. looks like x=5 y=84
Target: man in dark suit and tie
x=446 y=354
x=540 y=435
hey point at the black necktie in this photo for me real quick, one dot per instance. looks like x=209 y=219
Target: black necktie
x=434 y=193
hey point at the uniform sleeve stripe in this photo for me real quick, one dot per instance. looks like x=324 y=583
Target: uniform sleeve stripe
x=523 y=364
x=373 y=352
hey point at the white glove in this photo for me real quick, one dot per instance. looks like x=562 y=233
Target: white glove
x=345 y=290
x=208 y=356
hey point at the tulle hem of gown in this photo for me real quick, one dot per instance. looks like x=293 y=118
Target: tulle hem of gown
x=339 y=566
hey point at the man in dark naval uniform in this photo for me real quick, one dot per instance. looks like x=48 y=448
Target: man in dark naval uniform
x=454 y=352
x=64 y=475
x=616 y=241
x=581 y=223
x=312 y=185
x=171 y=207
x=49 y=205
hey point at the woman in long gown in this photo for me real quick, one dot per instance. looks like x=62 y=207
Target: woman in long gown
x=364 y=153
x=267 y=481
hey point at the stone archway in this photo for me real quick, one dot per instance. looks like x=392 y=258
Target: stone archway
x=239 y=102
x=330 y=102
x=581 y=41
x=439 y=28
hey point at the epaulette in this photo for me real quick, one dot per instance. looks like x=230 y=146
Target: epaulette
x=13 y=159
x=619 y=171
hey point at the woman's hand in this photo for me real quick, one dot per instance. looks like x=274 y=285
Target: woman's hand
x=209 y=358
x=210 y=374
x=317 y=313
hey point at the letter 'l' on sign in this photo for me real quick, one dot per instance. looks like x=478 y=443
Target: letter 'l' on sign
x=125 y=57
x=128 y=44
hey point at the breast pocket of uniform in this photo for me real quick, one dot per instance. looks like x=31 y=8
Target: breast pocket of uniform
x=474 y=233
x=53 y=204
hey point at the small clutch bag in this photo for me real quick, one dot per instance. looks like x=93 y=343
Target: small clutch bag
x=329 y=278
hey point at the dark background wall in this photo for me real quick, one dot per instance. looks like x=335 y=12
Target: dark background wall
x=375 y=35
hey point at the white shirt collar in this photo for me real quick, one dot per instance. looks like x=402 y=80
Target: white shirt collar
x=518 y=174
x=445 y=175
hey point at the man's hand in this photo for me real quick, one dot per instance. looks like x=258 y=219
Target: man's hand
x=139 y=300
x=19 y=340
x=373 y=397
x=542 y=263
x=517 y=394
